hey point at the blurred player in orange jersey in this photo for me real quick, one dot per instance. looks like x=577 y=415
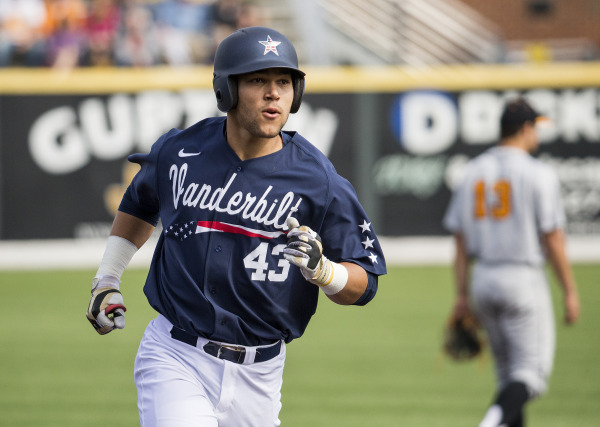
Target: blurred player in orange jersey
x=507 y=215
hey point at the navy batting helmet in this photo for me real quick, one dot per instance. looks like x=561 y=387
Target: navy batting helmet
x=253 y=49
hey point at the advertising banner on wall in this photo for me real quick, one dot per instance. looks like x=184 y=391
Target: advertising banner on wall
x=63 y=166
x=63 y=159
x=430 y=135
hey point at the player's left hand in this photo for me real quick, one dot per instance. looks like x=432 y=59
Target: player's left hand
x=571 y=308
x=106 y=310
x=305 y=250
x=462 y=338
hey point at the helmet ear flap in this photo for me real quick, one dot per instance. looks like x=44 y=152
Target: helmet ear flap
x=232 y=83
x=298 y=82
x=225 y=88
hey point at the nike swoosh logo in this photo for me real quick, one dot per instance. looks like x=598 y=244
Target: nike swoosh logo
x=184 y=154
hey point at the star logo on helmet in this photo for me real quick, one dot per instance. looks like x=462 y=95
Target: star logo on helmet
x=270 y=46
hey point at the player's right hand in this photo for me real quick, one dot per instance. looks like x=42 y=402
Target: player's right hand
x=106 y=310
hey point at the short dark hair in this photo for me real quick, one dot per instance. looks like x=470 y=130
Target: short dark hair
x=516 y=113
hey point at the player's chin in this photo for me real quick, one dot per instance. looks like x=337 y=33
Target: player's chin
x=271 y=129
x=268 y=135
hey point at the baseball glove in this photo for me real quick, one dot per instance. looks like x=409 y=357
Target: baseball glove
x=462 y=338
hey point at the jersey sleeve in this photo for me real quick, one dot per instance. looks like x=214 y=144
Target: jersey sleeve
x=141 y=197
x=347 y=232
x=550 y=214
x=452 y=217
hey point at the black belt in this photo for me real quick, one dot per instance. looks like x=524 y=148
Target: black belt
x=230 y=353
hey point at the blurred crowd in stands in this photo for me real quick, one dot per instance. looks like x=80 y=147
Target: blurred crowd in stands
x=122 y=33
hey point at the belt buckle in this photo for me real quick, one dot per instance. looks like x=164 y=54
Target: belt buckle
x=241 y=352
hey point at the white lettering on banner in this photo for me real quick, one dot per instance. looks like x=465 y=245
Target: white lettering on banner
x=400 y=174
x=112 y=139
x=249 y=209
x=579 y=180
x=156 y=112
x=424 y=176
x=109 y=129
x=316 y=125
x=65 y=139
x=546 y=102
x=479 y=117
x=56 y=144
x=428 y=120
x=578 y=115
x=198 y=104
x=455 y=170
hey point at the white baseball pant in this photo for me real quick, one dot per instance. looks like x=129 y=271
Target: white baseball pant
x=514 y=304
x=180 y=385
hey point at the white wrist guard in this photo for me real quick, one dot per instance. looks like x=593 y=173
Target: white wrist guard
x=117 y=255
x=331 y=277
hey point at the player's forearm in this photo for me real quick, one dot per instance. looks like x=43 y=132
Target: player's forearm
x=461 y=266
x=461 y=279
x=555 y=246
x=355 y=286
x=127 y=235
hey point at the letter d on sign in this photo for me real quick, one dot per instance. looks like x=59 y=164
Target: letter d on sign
x=425 y=122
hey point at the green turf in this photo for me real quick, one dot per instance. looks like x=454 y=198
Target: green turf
x=378 y=365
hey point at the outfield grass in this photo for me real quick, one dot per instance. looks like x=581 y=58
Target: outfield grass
x=378 y=365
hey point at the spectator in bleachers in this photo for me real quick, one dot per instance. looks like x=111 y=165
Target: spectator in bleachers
x=101 y=30
x=251 y=15
x=223 y=19
x=226 y=16
x=21 y=33
x=225 y=12
x=140 y=33
x=65 y=32
x=137 y=43
x=182 y=31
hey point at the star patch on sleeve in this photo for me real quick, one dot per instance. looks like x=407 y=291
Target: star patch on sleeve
x=373 y=258
x=366 y=226
x=368 y=242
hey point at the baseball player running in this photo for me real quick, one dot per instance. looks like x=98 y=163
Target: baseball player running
x=255 y=222
x=507 y=215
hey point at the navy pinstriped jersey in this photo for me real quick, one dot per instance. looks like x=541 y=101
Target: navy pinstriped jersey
x=218 y=269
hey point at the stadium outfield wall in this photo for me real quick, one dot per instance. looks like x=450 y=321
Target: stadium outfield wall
x=81 y=254
x=401 y=135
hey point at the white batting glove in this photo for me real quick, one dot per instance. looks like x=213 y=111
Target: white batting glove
x=106 y=310
x=305 y=250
